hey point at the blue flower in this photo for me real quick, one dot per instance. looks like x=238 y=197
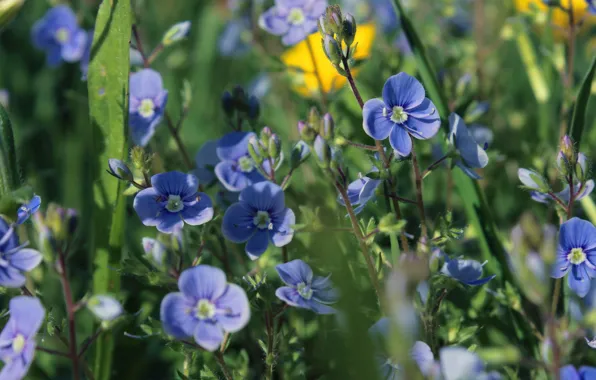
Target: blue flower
x=147 y=104
x=379 y=333
x=424 y=358
x=104 y=307
x=206 y=307
x=237 y=169
x=28 y=209
x=58 y=34
x=470 y=155
x=235 y=38
x=569 y=372
x=17 y=340
x=86 y=56
x=403 y=111
x=591 y=6
x=259 y=217
x=360 y=192
x=576 y=252
x=564 y=194
x=304 y=289
x=292 y=19
x=465 y=271
x=14 y=258
x=171 y=201
x=206 y=160
x=458 y=363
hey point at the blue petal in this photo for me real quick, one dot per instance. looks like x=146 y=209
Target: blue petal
x=209 y=335
x=205 y=160
x=458 y=363
x=28 y=313
x=462 y=270
x=295 y=272
x=481 y=281
x=105 y=307
x=282 y=232
x=141 y=129
x=17 y=369
x=400 y=141
x=569 y=373
x=403 y=90
x=175 y=319
x=175 y=183
x=169 y=222
x=578 y=280
x=257 y=244
x=586 y=372
x=230 y=177
x=200 y=212
x=368 y=190
x=264 y=196
x=290 y=296
x=472 y=154
x=375 y=123
x=296 y=34
x=75 y=48
x=525 y=176
x=272 y=23
x=238 y=225
x=467 y=171
x=423 y=356
x=320 y=308
x=354 y=190
x=233 y=309
x=203 y=282
x=577 y=233
x=25 y=259
x=145 y=84
x=561 y=265
x=233 y=145
x=11 y=277
x=587 y=190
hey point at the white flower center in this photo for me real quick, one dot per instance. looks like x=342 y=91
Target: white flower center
x=62 y=35
x=147 y=108
x=398 y=115
x=205 y=309
x=246 y=164
x=304 y=290
x=262 y=220
x=576 y=256
x=296 y=16
x=18 y=344
x=175 y=203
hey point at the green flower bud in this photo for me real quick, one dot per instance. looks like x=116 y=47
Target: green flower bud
x=314 y=117
x=254 y=150
x=322 y=25
x=327 y=130
x=582 y=167
x=266 y=133
x=176 y=33
x=349 y=29
x=325 y=154
x=274 y=146
x=307 y=133
x=118 y=169
x=334 y=19
x=568 y=151
x=140 y=160
x=332 y=49
x=300 y=153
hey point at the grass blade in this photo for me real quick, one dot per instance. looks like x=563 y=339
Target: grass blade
x=578 y=120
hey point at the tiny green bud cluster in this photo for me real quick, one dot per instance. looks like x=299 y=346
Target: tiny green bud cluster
x=337 y=30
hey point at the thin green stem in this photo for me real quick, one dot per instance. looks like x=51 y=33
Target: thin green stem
x=434 y=165
x=224 y=367
x=419 y=197
x=179 y=143
x=350 y=77
x=361 y=146
x=70 y=312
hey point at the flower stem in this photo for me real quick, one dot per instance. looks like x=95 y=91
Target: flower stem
x=350 y=77
x=362 y=146
x=286 y=181
x=317 y=72
x=53 y=352
x=70 y=311
x=89 y=342
x=284 y=253
x=434 y=165
x=176 y=136
x=362 y=241
x=419 y=198
x=223 y=366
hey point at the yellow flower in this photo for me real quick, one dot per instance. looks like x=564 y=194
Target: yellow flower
x=560 y=19
x=301 y=68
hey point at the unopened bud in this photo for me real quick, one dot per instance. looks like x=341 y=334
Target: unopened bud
x=323 y=151
x=327 y=127
x=322 y=26
x=140 y=160
x=176 y=33
x=349 y=29
x=306 y=132
x=72 y=221
x=118 y=169
x=254 y=108
x=227 y=103
x=334 y=19
x=274 y=146
x=581 y=167
x=300 y=153
x=332 y=49
x=254 y=150
x=314 y=118
x=568 y=151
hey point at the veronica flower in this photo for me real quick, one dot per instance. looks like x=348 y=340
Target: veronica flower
x=404 y=111
x=17 y=339
x=360 y=192
x=260 y=217
x=172 y=200
x=569 y=372
x=469 y=154
x=14 y=258
x=305 y=290
x=206 y=160
x=576 y=252
x=237 y=170
x=467 y=272
x=294 y=20
x=28 y=209
x=147 y=104
x=105 y=307
x=206 y=307
x=58 y=34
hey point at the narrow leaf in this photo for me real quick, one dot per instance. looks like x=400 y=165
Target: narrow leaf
x=578 y=120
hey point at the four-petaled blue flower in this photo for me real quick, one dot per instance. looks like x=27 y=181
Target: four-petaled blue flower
x=58 y=34
x=360 y=192
x=467 y=272
x=206 y=307
x=304 y=289
x=14 y=258
x=259 y=217
x=28 y=209
x=569 y=372
x=237 y=169
x=147 y=104
x=292 y=19
x=403 y=111
x=576 y=252
x=172 y=200
x=469 y=154
x=17 y=340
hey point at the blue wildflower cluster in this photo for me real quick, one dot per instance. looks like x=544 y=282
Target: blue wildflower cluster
x=340 y=215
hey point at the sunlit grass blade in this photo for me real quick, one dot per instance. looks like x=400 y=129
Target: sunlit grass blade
x=108 y=102
x=578 y=120
x=9 y=169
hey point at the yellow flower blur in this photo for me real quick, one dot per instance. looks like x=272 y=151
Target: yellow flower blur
x=301 y=68
x=560 y=19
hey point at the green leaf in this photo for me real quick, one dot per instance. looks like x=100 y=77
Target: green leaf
x=9 y=169
x=578 y=120
x=108 y=104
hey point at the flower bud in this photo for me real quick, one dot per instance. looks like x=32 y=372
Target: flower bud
x=568 y=151
x=300 y=153
x=327 y=127
x=118 y=169
x=323 y=151
x=322 y=26
x=227 y=103
x=581 y=167
x=186 y=94
x=314 y=118
x=334 y=19
x=533 y=180
x=332 y=49
x=254 y=108
x=349 y=29
x=274 y=146
x=140 y=160
x=254 y=150
x=176 y=33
